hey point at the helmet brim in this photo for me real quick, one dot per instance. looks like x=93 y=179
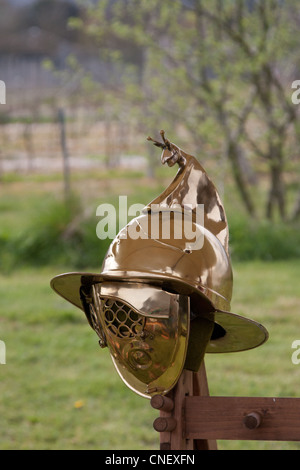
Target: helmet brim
x=240 y=333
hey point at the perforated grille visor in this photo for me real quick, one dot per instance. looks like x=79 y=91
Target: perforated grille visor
x=148 y=351
x=120 y=319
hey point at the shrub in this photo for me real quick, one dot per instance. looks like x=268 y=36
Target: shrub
x=59 y=233
x=64 y=233
x=263 y=240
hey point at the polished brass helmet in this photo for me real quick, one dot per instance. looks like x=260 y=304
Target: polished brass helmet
x=161 y=302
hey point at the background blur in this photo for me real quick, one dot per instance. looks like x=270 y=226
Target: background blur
x=86 y=83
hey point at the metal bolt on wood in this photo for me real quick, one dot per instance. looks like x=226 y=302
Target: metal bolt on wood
x=253 y=420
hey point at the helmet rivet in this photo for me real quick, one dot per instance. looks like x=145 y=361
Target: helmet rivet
x=102 y=343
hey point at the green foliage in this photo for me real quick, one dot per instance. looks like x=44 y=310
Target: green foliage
x=65 y=233
x=263 y=240
x=215 y=70
x=58 y=232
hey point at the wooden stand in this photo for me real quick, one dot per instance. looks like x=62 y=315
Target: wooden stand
x=192 y=420
x=172 y=423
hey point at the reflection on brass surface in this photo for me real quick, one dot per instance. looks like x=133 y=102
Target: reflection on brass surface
x=149 y=300
x=192 y=186
x=148 y=351
x=154 y=297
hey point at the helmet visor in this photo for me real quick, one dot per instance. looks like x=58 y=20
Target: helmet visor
x=148 y=344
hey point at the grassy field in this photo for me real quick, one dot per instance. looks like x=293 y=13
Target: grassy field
x=58 y=390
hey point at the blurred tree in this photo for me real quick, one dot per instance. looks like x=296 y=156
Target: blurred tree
x=218 y=69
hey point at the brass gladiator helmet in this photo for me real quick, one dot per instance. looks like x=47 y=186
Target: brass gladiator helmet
x=161 y=302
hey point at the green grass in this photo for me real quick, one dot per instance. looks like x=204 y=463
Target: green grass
x=53 y=358
x=53 y=361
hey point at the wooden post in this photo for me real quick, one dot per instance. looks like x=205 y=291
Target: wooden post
x=171 y=423
x=190 y=419
x=200 y=389
x=63 y=140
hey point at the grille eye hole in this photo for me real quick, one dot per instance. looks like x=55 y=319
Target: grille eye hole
x=121 y=320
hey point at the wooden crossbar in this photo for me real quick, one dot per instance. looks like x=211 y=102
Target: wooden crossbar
x=242 y=418
x=190 y=419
